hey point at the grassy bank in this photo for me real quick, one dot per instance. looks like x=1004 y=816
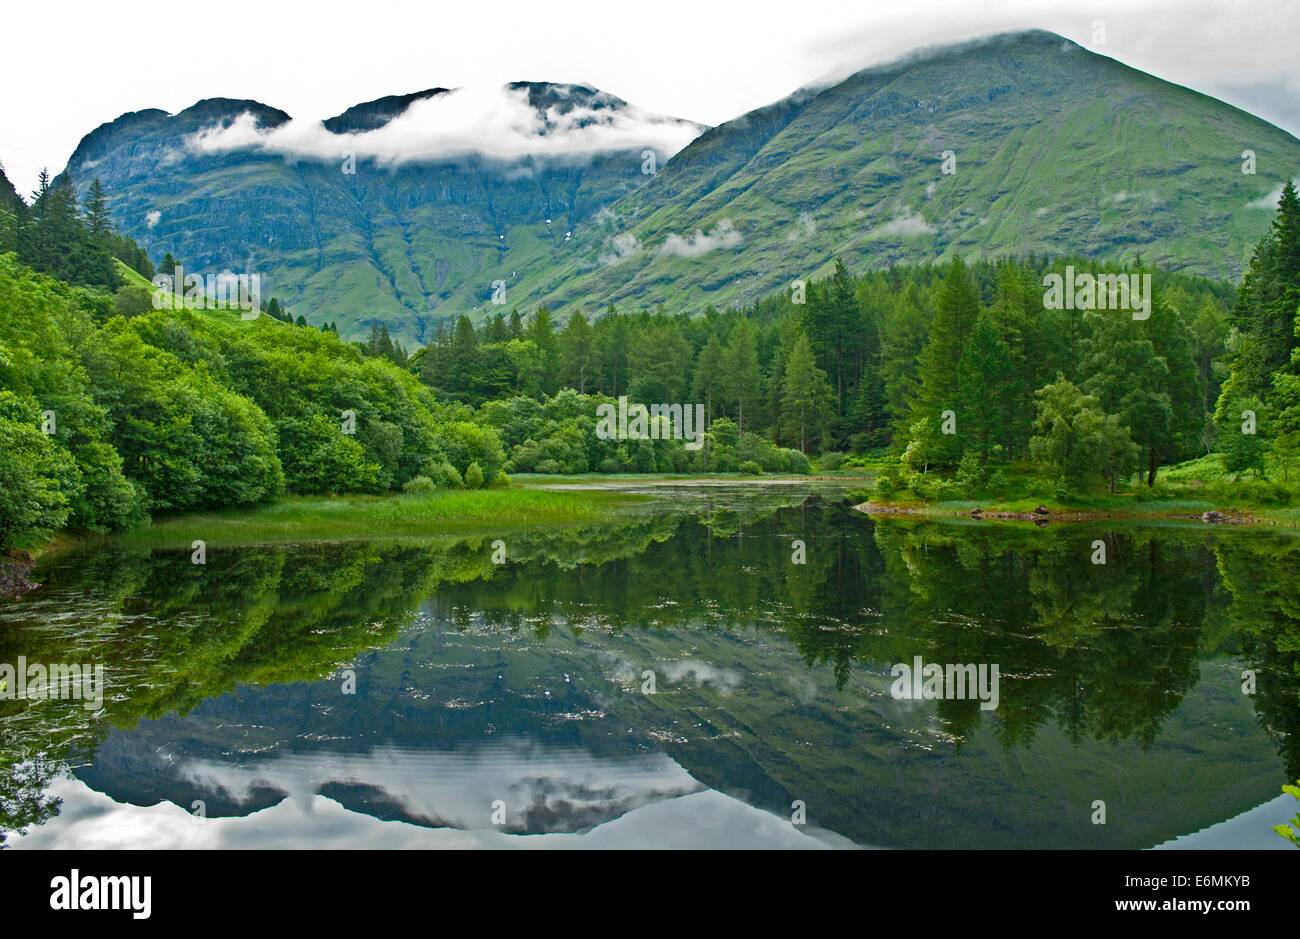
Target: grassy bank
x=1186 y=489
x=480 y=511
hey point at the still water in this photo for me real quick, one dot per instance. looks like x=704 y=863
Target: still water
x=672 y=678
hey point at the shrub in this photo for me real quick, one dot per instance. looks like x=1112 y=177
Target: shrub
x=501 y=480
x=972 y=478
x=445 y=476
x=419 y=484
x=750 y=467
x=798 y=463
x=830 y=462
x=473 y=476
x=547 y=466
x=884 y=487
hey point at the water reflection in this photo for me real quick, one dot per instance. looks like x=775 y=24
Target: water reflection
x=500 y=701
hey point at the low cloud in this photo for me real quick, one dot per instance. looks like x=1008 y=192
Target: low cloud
x=806 y=227
x=723 y=236
x=1145 y=198
x=905 y=225
x=495 y=122
x=1268 y=201
x=151 y=219
x=624 y=245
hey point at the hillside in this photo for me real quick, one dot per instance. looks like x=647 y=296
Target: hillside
x=400 y=239
x=1056 y=150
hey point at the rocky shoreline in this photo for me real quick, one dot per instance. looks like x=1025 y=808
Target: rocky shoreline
x=15 y=566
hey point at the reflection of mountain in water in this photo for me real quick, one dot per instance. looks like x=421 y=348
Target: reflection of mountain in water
x=524 y=683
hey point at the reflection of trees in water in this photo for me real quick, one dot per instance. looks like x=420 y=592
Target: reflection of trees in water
x=1107 y=651
x=1261 y=574
x=172 y=634
x=24 y=802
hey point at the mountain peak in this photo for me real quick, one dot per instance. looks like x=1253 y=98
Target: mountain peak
x=225 y=110
x=372 y=115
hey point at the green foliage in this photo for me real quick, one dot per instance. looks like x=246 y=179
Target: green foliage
x=1245 y=445
x=419 y=485
x=45 y=333
x=446 y=476
x=35 y=475
x=830 y=461
x=1291 y=832
x=473 y=476
x=1076 y=440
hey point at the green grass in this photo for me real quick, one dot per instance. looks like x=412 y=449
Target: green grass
x=132 y=277
x=228 y=316
x=346 y=518
x=1190 y=488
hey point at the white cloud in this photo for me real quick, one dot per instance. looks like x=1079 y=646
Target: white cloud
x=1145 y=198
x=624 y=245
x=723 y=236
x=906 y=225
x=1268 y=201
x=806 y=227
x=151 y=218
x=490 y=121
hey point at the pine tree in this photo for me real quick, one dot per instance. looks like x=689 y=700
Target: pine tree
x=986 y=382
x=805 y=396
x=541 y=330
x=939 y=373
x=709 y=377
x=462 y=365
x=578 y=352
x=742 y=377
x=95 y=212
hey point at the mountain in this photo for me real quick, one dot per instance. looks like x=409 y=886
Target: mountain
x=1054 y=149
x=389 y=211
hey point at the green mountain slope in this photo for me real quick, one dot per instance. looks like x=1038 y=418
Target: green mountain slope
x=399 y=242
x=1056 y=150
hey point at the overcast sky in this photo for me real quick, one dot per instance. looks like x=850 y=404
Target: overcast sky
x=71 y=66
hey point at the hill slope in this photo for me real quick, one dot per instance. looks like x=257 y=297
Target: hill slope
x=390 y=234
x=1054 y=149
x=1057 y=150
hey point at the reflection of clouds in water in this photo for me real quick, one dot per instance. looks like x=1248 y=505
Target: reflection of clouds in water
x=706 y=819
x=544 y=788
x=805 y=689
x=726 y=680
x=631 y=674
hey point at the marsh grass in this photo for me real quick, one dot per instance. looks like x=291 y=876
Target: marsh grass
x=346 y=518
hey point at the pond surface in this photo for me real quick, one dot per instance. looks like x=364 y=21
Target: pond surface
x=672 y=678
